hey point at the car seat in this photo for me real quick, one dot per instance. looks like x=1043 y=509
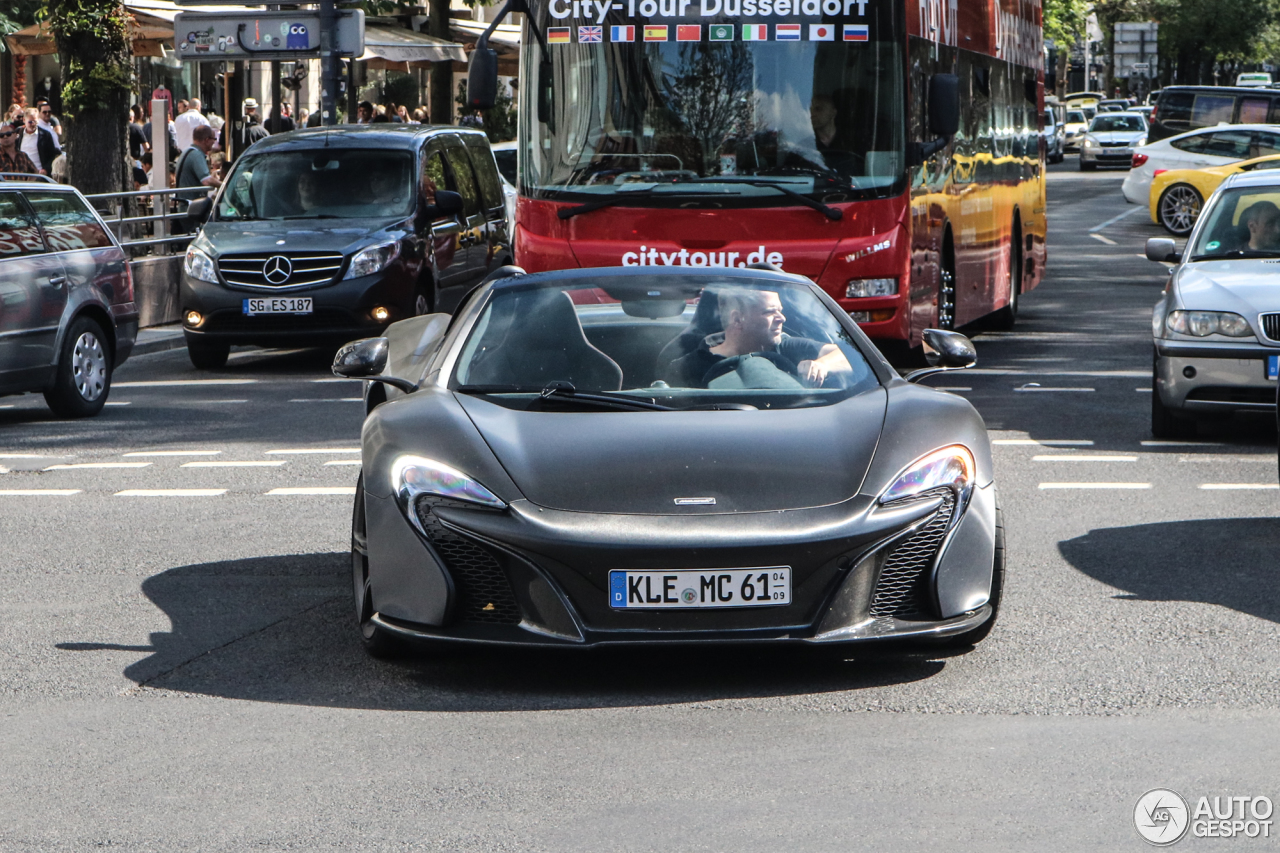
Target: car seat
x=706 y=321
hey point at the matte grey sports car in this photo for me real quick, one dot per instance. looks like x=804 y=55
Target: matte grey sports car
x=612 y=456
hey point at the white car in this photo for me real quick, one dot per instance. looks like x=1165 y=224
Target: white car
x=1075 y=127
x=1216 y=327
x=1207 y=146
x=505 y=154
x=1256 y=79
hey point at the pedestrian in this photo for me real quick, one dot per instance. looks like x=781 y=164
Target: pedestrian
x=12 y=159
x=58 y=171
x=246 y=131
x=186 y=122
x=403 y=113
x=142 y=172
x=364 y=113
x=192 y=169
x=137 y=137
x=36 y=142
x=420 y=115
x=46 y=120
x=315 y=119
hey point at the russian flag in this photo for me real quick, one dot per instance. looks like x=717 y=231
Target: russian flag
x=689 y=32
x=787 y=32
x=755 y=32
x=856 y=32
x=557 y=35
x=622 y=34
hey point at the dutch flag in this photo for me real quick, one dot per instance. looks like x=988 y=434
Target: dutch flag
x=622 y=34
x=787 y=32
x=856 y=32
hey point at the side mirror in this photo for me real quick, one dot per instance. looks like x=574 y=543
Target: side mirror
x=944 y=351
x=1162 y=250
x=447 y=204
x=546 y=75
x=198 y=211
x=944 y=104
x=482 y=78
x=366 y=359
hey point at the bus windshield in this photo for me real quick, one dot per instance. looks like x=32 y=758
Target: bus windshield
x=727 y=109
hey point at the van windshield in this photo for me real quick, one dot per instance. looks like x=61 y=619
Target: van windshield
x=320 y=184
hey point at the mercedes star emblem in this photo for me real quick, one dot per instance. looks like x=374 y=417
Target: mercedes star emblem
x=277 y=269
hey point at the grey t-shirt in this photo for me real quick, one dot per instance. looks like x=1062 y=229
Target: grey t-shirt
x=192 y=169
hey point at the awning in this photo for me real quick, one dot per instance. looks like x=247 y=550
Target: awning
x=37 y=40
x=468 y=32
x=401 y=49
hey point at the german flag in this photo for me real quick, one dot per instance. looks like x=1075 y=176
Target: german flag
x=557 y=35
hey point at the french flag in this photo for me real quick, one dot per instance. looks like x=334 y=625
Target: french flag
x=622 y=34
x=787 y=32
x=856 y=32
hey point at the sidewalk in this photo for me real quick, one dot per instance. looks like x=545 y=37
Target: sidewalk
x=159 y=339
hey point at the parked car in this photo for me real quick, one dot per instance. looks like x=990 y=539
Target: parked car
x=325 y=235
x=1253 y=79
x=1183 y=108
x=1054 y=136
x=67 y=313
x=1074 y=129
x=482 y=514
x=1111 y=139
x=1113 y=105
x=1210 y=146
x=1216 y=328
x=1177 y=195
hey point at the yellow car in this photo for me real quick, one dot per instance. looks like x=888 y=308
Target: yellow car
x=1178 y=194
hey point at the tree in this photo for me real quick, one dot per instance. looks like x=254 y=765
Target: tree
x=94 y=48
x=1197 y=35
x=1064 y=23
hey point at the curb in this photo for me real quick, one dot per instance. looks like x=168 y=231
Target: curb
x=160 y=344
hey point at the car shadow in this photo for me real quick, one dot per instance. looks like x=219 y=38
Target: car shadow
x=280 y=629
x=1216 y=561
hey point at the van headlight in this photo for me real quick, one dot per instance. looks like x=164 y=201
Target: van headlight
x=373 y=259
x=950 y=467
x=199 y=266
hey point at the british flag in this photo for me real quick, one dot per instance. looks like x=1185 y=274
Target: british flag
x=590 y=35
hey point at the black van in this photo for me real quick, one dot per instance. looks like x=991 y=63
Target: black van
x=321 y=236
x=1183 y=108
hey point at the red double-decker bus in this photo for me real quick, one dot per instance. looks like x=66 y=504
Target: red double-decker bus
x=795 y=132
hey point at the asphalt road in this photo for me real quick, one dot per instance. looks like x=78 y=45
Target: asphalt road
x=181 y=669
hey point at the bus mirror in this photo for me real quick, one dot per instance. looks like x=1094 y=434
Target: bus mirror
x=545 y=93
x=482 y=78
x=944 y=105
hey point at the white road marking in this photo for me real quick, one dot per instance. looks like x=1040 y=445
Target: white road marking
x=1115 y=219
x=335 y=379
x=170 y=493
x=184 y=383
x=1106 y=240
x=1143 y=390
x=1095 y=485
x=949 y=388
x=40 y=492
x=270 y=463
x=1033 y=388
x=1046 y=442
x=186 y=402
x=7 y=406
x=1096 y=374
x=342 y=462
x=1164 y=442
x=300 y=451
x=1084 y=458
x=118 y=403
x=1235 y=486
x=329 y=400
x=174 y=453
x=315 y=490
x=35 y=455
x=77 y=465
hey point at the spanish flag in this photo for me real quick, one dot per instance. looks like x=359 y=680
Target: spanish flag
x=558 y=35
x=655 y=32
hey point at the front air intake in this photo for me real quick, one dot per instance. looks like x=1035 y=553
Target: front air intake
x=902 y=591
x=483 y=591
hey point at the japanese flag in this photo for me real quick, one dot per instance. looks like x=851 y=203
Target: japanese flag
x=822 y=32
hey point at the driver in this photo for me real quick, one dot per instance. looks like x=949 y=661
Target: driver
x=1263 y=221
x=822 y=115
x=385 y=186
x=753 y=321
x=308 y=192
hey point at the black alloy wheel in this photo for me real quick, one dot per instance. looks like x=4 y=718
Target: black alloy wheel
x=83 y=379
x=1179 y=208
x=207 y=355
x=377 y=641
x=424 y=301
x=947 y=291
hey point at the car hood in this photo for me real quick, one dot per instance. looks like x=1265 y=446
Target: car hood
x=1247 y=287
x=297 y=235
x=641 y=462
x=1118 y=135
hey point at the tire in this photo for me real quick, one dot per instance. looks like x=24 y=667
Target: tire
x=424 y=300
x=947 y=290
x=377 y=641
x=1004 y=319
x=976 y=635
x=1179 y=208
x=207 y=355
x=83 y=380
x=1165 y=423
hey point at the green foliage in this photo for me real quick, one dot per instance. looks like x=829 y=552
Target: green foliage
x=93 y=45
x=1201 y=32
x=499 y=120
x=1064 y=21
x=401 y=88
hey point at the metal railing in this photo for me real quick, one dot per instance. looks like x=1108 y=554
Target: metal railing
x=167 y=208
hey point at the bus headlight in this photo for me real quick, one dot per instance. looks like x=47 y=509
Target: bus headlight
x=860 y=288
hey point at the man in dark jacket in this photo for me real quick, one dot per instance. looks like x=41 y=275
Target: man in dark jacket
x=247 y=130
x=36 y=142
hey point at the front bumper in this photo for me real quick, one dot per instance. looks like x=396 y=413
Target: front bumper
x=530 y=576
x=1107 y=156
x=1224 y=377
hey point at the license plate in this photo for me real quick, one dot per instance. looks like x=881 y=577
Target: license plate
x=278 y=305
x=1273 y=367
x=698 y=589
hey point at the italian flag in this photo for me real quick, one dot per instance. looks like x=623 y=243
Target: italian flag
x=755 y=32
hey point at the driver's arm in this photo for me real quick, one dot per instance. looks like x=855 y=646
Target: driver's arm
x=830 y=360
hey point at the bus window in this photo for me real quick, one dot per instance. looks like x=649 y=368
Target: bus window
x=1209 y=110
x=1254 y=110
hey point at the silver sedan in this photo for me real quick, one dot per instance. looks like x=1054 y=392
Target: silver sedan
x=1111 y=139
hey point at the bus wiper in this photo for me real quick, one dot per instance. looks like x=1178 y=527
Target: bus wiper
x=832 y=213
x=611 y=200
x=565 y=391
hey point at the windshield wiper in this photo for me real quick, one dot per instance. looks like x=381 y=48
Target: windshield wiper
x=831 y=213
x=562 y=390
x=312 y=216
x=610 y=201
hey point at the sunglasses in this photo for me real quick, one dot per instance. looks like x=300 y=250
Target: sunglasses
x=7 y=134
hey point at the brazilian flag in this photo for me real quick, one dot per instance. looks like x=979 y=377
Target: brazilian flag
x=721 y=32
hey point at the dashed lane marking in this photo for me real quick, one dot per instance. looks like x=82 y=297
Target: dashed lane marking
x=1045 y=486
x=329 y=400
x=118 y=403
x=173 y=453
x=78 y=465
x=1045 y=442
x=35 y=455
x=1090 y=374
x=1034 y=388
x=301 y=451
x=39 y=492
x=1164 y=442
x=212 y=402
x=1113 y=220
x=183 y=383
x=1143 y=390
x=1102 y=239
x=315 y=490
x=335 y=379
x=342 y=462
x=270 y=463
x=1084 y=459
x=170 y=493
x=1238 y=486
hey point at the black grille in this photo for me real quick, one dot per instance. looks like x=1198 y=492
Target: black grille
x=1115 y=144
x=1271 y=326
x=307 y=268
x=1233 y=394
x=484 y=593
x=902 y=591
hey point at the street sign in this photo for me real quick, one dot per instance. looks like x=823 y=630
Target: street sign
x=1142 y=67
x=230 y=36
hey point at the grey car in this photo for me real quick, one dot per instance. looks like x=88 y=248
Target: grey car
x=1111 y=139
x=1216 y=328
x=67 y=313
x=567 y=462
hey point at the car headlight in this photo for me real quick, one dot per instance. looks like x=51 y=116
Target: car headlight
x=950 y=467
x=1201 y=324
x=373 y=259
x=412 y=476
x=1139 y=142
x=199 y=266
x=1090 y=142
x=863 y=287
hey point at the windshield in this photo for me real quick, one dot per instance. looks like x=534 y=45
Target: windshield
x=1105 y=123
x=1242 y=222
x=1075 y=117
x=651 y=105
x=666 y=341
x=320 y=183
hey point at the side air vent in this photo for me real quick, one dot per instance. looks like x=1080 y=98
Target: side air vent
x=901 y=591
x=484 y=593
